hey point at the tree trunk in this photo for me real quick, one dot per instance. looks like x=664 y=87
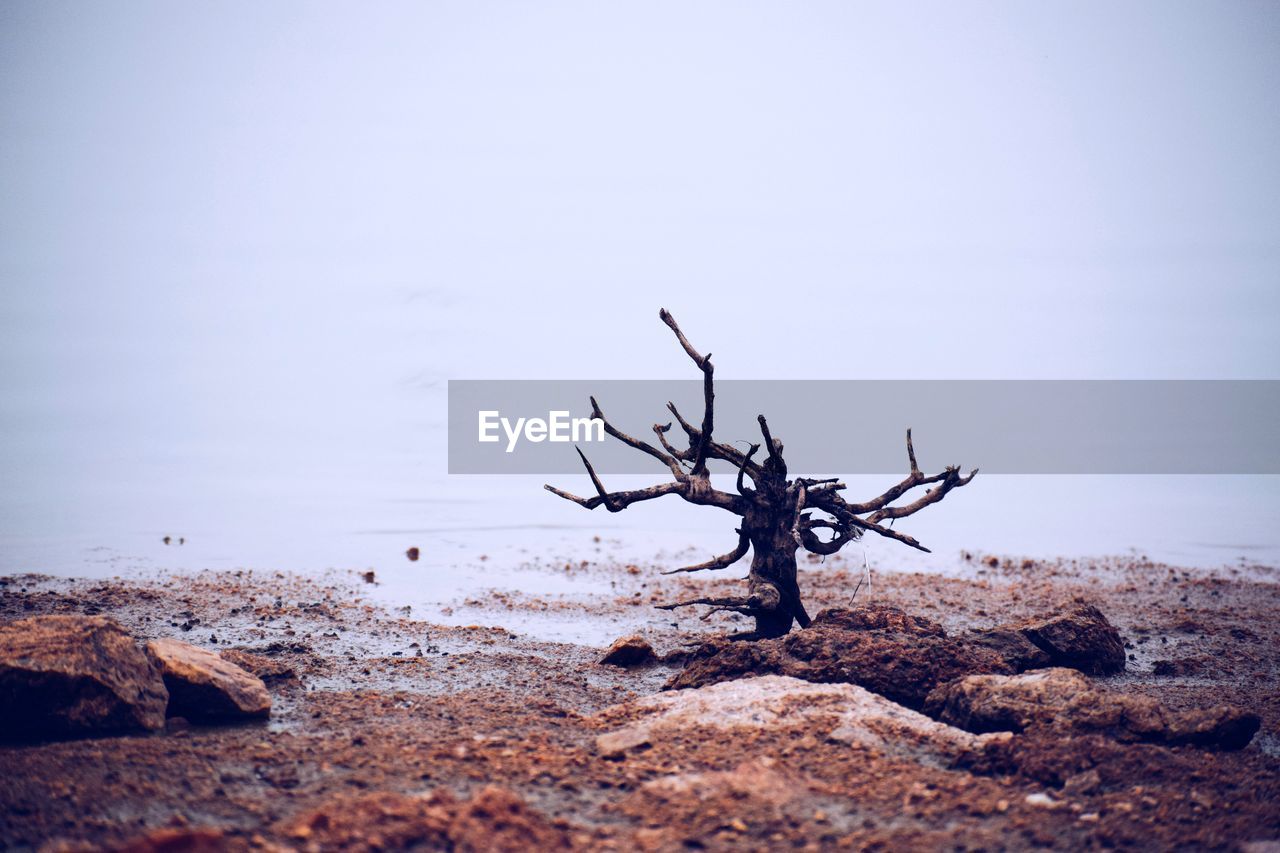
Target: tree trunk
x=772 y=580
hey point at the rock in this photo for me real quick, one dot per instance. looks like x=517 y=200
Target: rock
x=629 y=651
x=1086 y=782
x=1063 y=699
x=879 y=617
x=1044 y=801
x=1013 y=647
x=1180 y=667
x=852 y=715
x=263 y=667
x=1079 y=637
x=203 y=686
x=616 y=744
x=73 y=676
x=903 y=661
x=903 y=657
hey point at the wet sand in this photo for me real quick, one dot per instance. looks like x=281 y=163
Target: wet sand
x=391 y=732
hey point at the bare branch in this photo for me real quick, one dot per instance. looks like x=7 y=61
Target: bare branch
x=708 y=391
x=661 y=431
x=715 y=450
x=842 y=535
x=722 y=562
x=595 y=481
x=746 y=460
x=619 y=501
x=717 y=602
x=951 y=480
x=645 y=447
x=774 y=448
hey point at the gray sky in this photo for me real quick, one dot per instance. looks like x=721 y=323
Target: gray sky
x=279 y=227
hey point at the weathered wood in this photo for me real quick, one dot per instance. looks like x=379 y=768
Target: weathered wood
x=777 y=513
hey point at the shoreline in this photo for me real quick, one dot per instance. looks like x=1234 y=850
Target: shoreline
x=383 y=707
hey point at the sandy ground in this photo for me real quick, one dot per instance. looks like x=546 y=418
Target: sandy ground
x=390 y=732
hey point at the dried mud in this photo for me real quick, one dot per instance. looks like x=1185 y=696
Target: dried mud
x=389 y=732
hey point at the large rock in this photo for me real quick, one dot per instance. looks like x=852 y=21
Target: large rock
x=880 y=648
x=203 y=686
x=1079 y=637
x=72 y=676
x=1065 y=700
x=903 y=657
x=844 y=713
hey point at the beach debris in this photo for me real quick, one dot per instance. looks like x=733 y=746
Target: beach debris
x=203 y=686
x=1061 y=699
x=629 y=651
x=412 y=554
x=73 y=676
x=779 y=516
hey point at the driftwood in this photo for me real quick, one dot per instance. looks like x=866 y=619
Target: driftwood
x=779 y=515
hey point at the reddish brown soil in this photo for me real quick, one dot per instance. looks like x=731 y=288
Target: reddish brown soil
x=389 y=732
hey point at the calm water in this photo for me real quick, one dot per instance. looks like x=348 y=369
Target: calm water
x=239 y=263
x=320 y=444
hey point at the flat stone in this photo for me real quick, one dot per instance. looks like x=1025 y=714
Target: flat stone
x=619 y=743
x=74 y=676
x=851 y=713
x=203 y=686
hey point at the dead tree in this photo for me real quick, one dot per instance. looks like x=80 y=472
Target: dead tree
x=779 y=516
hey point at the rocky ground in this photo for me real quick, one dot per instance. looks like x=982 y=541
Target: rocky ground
x=929 y=713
